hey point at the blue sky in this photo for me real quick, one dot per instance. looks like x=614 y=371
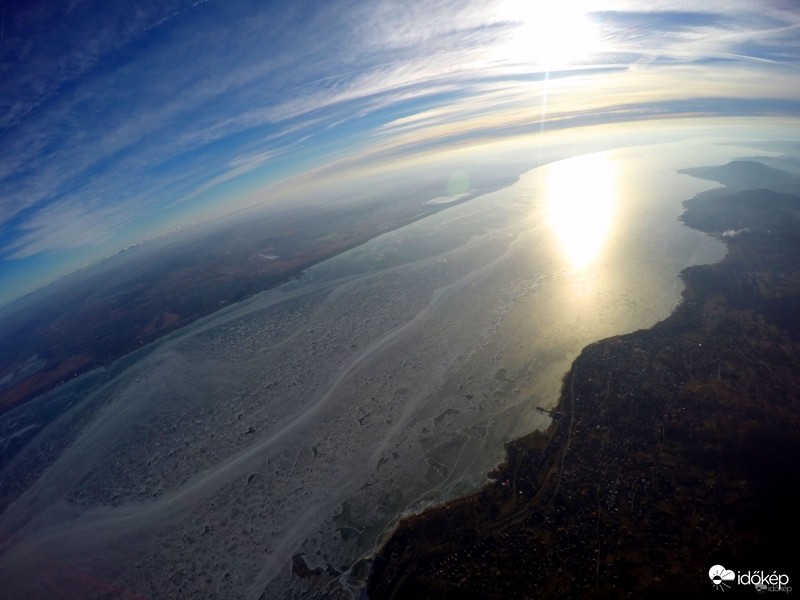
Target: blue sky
x=120 y=121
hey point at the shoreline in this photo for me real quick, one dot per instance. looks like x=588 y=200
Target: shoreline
x=548 y=484
x=156 y=322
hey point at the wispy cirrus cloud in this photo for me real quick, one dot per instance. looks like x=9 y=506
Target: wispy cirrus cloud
x=63 y=225
x=114 y=113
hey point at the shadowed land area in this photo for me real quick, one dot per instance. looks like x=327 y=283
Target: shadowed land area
x=671 y=449
x=98 y=314
x=747 y=174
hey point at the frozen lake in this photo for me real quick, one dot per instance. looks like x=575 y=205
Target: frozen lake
x=305 y=420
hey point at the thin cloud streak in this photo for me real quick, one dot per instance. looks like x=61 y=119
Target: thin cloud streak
x=114 y=117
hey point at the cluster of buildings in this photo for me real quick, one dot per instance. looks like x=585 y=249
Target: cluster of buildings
x=647 y=472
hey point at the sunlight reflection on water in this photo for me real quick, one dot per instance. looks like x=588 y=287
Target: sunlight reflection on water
x=581 y=195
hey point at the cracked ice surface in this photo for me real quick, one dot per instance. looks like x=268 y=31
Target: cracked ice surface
x=307 y=419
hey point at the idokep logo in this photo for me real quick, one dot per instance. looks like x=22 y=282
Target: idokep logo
x=722 y=579
x=720 y=575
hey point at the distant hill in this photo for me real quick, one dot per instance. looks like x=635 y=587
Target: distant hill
x=783 y=163
x=773 y=212
x=745 y=174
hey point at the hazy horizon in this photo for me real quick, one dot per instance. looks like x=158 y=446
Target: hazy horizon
x=124 y=123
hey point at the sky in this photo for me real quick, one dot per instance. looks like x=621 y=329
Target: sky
x=120 y=121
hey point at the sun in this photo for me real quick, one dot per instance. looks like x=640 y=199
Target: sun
x=551 y=35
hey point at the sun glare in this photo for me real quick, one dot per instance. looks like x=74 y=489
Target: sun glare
x=550 y=35
x=580 y=199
